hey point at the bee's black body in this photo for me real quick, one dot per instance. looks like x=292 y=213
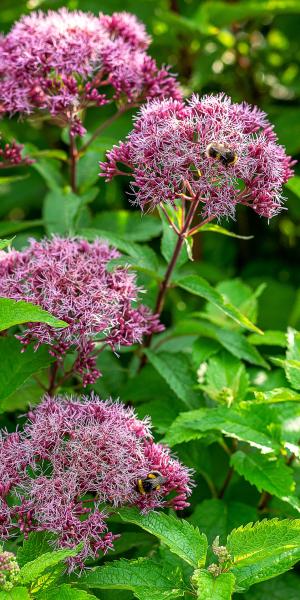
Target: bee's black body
x=150 y=483
x=222 y=153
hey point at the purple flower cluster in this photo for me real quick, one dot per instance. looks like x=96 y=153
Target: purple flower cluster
x=61 y=62
x=69 y=278
x=72 y=458
x=11 y=156
x=168 y=152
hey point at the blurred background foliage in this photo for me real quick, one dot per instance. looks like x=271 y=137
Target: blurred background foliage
x=248 y=49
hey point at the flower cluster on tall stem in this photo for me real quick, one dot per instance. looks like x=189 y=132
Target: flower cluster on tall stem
x=73 y=460
x=208 y=153
x=61 y=62
x=70 y=279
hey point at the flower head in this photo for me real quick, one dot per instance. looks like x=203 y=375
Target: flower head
x=9 y=570
x=74 y=457
x=62 y=61
x=216 y=150
x=11 y=156
x=69 y=278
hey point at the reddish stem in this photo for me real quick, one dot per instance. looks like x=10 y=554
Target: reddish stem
x=73 y=163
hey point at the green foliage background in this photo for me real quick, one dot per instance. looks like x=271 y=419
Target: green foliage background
x=250 y=50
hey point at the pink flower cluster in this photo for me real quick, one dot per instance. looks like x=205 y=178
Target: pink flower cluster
x=73 y=457
x=69 y=278
x=169 y=152
x=60 y=62
x=11 y=156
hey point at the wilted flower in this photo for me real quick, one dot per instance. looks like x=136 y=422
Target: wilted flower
x=72 y=459
x=208 y=148
x=9 y=570
x=69 y=278
x=62 y=61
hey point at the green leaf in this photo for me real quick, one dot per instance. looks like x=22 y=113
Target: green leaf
x=216 y=517
x=145 y=577
x=36 y=544
x=17 y=593
x=286 y=586
x=133 y=226
x=16 y=366
x=270 y=338
x=60 y=211
x=181 y=538
x=220 y=14
x=246 y=423
x=5 y=243
x=214 y=588
x=226 y=379
x=263 y=550
x=9 y=227
x=277 y=395
x=6 y=180
x=49 y=169
x=238 y=345
x=218 y=229
x=198 y=286
x=292 y=370
x=142 y=257
x=65 y=592
x=33 y=569
x=168 y=243
x=240 y=295
x=267 y=473
x=176 y=371
x=14 y=312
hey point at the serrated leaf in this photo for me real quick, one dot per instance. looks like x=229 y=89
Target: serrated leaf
x=263 y=550
x=292 y=369
x=17 y=593
x=267 y=473
x=247 y=424
x=238 y=345
x=176 y=371
x=65 y=592
x=214 y=588
x=180 y=536
x=35 y=545
x=218 y=229
x=144 y=577
x=16 y=312
x=200 y=287
x=16 y=366
x=33 y=569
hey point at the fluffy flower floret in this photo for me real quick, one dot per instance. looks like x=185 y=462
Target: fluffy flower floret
x=72 y=459
x=63 y=61
x=221 y=152
x=69 y=278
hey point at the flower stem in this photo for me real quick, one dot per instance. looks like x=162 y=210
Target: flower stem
x=73 y=163
x=106 y=124
x=52 y=378
x=160 y=301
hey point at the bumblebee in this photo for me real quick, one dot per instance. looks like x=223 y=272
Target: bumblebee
x=222 y=153
x=151 y=483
